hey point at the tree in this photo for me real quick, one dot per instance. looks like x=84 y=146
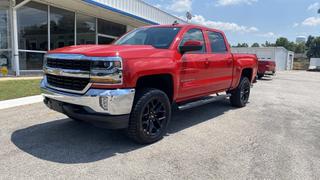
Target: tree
x=242 y=45
x=300 y=48
x=268 y=44
x=282 y=41
x=313 y=47
x=255 y=45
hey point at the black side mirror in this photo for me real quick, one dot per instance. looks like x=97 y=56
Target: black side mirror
x=191 y=46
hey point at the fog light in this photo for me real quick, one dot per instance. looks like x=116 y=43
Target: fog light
x=104 y=103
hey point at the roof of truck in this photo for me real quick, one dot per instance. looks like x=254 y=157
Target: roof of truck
x=187 y=25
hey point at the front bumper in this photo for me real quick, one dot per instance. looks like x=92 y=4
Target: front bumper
x=109 y=102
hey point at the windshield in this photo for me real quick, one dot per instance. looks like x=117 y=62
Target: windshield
x=158 y=37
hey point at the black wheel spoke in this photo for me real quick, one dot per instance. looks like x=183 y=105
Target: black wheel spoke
x=153 y=117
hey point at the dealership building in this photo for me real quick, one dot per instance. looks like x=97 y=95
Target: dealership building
x=30 y=28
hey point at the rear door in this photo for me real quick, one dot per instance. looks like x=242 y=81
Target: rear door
x=194 y=67
x=220 y=62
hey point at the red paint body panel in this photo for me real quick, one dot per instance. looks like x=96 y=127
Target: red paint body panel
x=264 y=66
x=194 y=75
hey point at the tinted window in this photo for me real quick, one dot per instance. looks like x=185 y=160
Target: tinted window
x=195 y=35
x=158 y=37
x=217 y=42
x=61 y=27
x=4 y=34
x=33 y=26
x=111 y=28
x=86 y=29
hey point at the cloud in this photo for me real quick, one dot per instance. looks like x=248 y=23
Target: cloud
x=314 y=6
x=311 y=21
x=180 y=6
x=295 y=25
x=268 y=35
x=235 y=2
x=225 y=26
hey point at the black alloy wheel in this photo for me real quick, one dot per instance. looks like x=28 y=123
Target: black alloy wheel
x=240 y=96
x=153 y=118
x=150 y=116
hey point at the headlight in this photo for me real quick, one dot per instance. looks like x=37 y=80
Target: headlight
x=106 y=70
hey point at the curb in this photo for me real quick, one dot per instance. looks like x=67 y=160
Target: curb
x=20 y=101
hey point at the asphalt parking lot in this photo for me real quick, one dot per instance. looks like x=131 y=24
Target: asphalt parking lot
x=277 y=136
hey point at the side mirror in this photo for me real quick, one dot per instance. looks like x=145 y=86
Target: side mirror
x=191 y=46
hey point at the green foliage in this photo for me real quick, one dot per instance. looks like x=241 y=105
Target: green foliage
x=242 y=45
x=313 y=46
x=255 y=45
x=268 y=44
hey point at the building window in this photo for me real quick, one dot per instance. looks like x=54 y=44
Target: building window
x=5 y=57
x=4 y=33
x=109 y=31
x=111 y=28
x=33 y=35
x=31 y=60
x=33 y=27
x=86 y=29
x=105 y=40
x=61 y=28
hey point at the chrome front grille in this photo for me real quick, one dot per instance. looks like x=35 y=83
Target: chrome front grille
x=82 y=65
x=67 y=72
x=77 y=84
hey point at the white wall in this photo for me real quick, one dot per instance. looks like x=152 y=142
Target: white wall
x=278 y=54
x=314 y=63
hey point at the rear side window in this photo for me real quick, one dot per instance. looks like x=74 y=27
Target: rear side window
x=217 y=42
x=196 y=35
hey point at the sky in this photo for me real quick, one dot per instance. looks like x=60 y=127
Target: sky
x=250 y=21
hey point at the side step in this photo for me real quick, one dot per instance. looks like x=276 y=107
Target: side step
x=203 y=101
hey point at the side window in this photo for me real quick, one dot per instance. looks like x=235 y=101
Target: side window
x=196 y=35
x=217 y=42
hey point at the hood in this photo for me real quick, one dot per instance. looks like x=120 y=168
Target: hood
x=124 y=51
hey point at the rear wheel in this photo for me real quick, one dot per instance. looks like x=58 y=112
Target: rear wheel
x=150 y=116
x=240 y=96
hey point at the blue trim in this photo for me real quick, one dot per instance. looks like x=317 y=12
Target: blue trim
x=93 y=2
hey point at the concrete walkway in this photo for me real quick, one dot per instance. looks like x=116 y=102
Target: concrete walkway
x=20 y=101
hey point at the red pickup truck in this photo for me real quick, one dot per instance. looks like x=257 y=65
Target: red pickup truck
x=266 y=68
x=134 y=83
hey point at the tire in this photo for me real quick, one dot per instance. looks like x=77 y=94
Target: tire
x=260 y=76
x=240 y=96
x=150 y=116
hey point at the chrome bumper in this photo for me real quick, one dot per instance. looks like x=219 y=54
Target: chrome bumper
x=112 y=102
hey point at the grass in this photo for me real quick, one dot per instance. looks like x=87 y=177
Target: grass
x=11 y=89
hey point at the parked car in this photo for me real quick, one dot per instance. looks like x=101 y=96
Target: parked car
x=266 y=68
x=134 y=83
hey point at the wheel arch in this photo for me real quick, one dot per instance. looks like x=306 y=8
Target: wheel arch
x=163 y=82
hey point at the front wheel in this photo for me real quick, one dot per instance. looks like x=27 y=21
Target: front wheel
x=150 y=116
x=240 y=96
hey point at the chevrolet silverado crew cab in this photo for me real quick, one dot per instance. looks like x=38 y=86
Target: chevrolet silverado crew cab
x=135 y=82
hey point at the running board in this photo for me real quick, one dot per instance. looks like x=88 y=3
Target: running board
x=203 y=101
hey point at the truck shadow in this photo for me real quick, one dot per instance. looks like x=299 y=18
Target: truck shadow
x=69 y=142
